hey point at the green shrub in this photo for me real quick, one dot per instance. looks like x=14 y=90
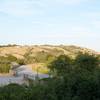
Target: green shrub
x=87 y=61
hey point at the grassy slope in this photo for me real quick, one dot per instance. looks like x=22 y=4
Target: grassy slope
x=40 y=52
x=20 y=51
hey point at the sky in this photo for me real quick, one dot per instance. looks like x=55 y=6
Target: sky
x=68 y=22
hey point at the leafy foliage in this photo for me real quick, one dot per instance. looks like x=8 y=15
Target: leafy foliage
x=79 y=83
x=86 y=61
x=61 y=65
x=5 y=63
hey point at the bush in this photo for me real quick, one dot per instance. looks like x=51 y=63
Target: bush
x=79 y=83
x=60 y=65
x=5 y=63
x=86 y=61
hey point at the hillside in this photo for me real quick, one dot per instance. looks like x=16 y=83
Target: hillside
x=39 y=50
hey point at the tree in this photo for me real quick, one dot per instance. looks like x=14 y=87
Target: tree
x=60 y=65
x=87 y=62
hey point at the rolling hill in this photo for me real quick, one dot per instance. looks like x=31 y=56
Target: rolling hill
x=37 y=50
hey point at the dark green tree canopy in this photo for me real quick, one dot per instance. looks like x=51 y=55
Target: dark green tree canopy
x=87 y=61
x=61 y=64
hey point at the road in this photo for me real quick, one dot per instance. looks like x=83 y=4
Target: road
x=27 y=70
x=21 y=72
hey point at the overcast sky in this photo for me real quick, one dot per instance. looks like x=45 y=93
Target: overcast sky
x=75 y=22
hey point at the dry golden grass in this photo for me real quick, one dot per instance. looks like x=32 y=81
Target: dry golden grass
x=40 y=67
x=20 y=51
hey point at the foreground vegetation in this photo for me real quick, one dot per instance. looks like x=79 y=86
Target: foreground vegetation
x=77 y=79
